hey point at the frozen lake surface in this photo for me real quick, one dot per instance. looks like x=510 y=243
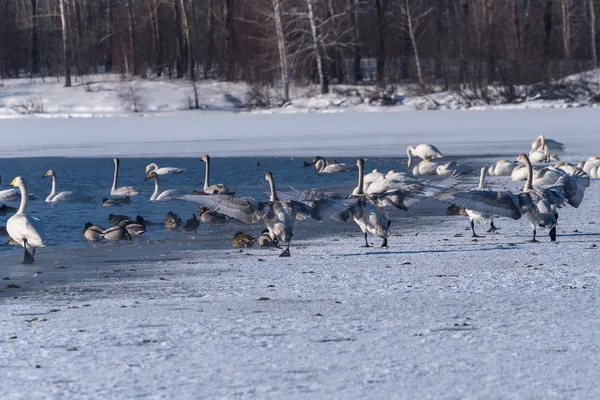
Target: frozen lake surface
x=437 y=315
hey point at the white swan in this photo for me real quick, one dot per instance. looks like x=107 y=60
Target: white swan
x=279 y=215
x=479 y=217
x=453 y=168
x=567 y=167
x=385 y=184
x=426 y=167
x=501 y=168
x=547 y=176
x=153 y=167
x=423 y=151
x=219 y=188
x=372 y=177
x=539 y=206
x=24 y=229
x=55 y=197
x=398 y=175
x=158 y=195
x=547 y=146
x=590 y=163
x=323 y=167
x=122 y=191
x=520 y=173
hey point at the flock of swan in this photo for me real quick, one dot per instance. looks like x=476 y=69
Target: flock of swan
x=366 y=205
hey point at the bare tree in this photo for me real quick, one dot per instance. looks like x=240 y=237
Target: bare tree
x=65 y=40
x=592 y=14
x=414 y=14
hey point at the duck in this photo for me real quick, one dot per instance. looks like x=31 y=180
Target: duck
x=133 y=228
x=423 y=151
x=279 y=216
x=122 y=191
x=116 y=234
x=153 y=167
x=242 y=240
x=92 y=232
x=4 y=209
x=323 y=167
x=172 y=221
x=23 y=228
x=116 y=202
x=501 y=168
x=63 y=197
x=210 y=217
x=192 y=224
x=539 y=206
x=219 y=188
x=157 y=195
x=264 y=240
x=115 y=219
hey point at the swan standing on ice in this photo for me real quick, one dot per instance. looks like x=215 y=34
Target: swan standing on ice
x=153 y=167
x=158 y=195
x=122 y=191
x=545 y=150
x=539 y=206
x=423 y=151
x=501 y=168
x=63 y=197
x=219 y=188
x=479 y=217
x=24 y=229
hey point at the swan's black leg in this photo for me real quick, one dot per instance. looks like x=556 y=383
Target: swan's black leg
x=493 y=228
x=27 y=257
x=384 y=244
x=276 y=243
x=286 y=252
x=534 y=240
x=473 y=229
x=553 y=234
x=366 y=242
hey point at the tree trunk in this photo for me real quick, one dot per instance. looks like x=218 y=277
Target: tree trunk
x=281 y=45
x=35 y=51
x=156 y=44
x=209 y=38
x=318 y=48
x=565 y=7
x=413 y=39
x=594 y=50
x=65 y=39
x=547 y=37
x=380 y=17
x=132 y=43
x=108 y=47
x=179 y=41
x=186 y=33
x=230 y=39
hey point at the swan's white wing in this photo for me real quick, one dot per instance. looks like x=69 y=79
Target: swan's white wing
x=241 y=208
x=70 y=197
x=170 y=194
x=504 y=204
x=338 y=209
x=169 y=171
x=307 y=195
x=572 y=188
x=411 y=194
x=553 y=147
x=22 y=226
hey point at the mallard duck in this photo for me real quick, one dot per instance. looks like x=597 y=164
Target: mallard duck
x=115 y=219
x=4 y=209
x=134 y=228
x=117 y=233
x=92 y=232
x=264 y=240
x=117 y=201
x=3 y=231
x=241 y=239
x=172 y=221
x=192 y=224
x=211 y=217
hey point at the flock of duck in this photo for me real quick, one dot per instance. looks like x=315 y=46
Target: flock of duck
x=366 y=205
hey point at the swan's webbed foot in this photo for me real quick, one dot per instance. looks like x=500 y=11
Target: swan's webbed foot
x=493 y=228
x=384 y=244
x=534 y=240
x=366 y=242
x=473 y=229
x=27 y=257
x=286 y=252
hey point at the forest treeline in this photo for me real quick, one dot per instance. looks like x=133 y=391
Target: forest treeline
x=279 y=42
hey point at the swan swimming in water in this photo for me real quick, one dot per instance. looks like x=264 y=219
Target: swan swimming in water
x=219 y=188
x=324 y=167
x=157 y=195
x=423 y=151
x=122 y=191
x=63 y=197
x=539 y=206
x=24 y=229
x=545 y=150
x=153 y=167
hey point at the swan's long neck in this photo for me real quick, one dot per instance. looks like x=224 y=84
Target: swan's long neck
x=361 y=179
x=482 y=179
x=116 y=176
x=24 y=198
x=409 y=154
x=320 y=164
x=156 y=189
x=529 y=183
x=273 y=191
x=543 y=140
x=54 y=189
x=207 y=174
